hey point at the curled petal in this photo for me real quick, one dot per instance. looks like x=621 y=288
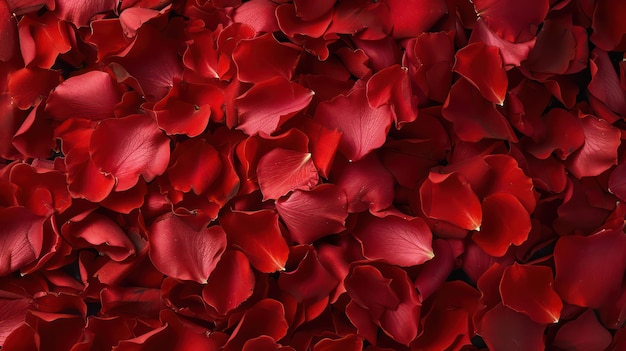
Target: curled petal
x=599 y=152
x=512 y=20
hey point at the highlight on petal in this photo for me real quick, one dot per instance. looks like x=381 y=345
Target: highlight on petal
x=481 y=65
x=128 y=147
x=79 y=13
x=266 y=317
x=102 y=233
x=281 y=171
x=450 y=197
x=195 y=166
x=181 y=252
x=258 y=235
x=505 y=221
x=364 y=128
x=529 y=289
x=310 y=281
x=512 y=53
x=391 y=86
x=395 y=240
x=261 y=109
x=92 y=95
x=22 y=239
x=311 y=215
x=585 y=278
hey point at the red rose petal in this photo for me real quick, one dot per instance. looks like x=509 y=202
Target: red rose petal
x=129 y=147
x=259 y=236
x=368 y=185
x=293 y=25
x=505 y=222
x=518 y=333
x=371 y=20
x=195 y=166
x=583 y=333
x=258 y=14
x=411 y=18
x=28 y=86
x=349 y=342
x=80 y=13
x=22 y=241
x=310 y=281
x=281 y=171
x=395 y=240
x=450 y=198
x=266 y=317
x=230 y=284
x=512 y=53
x=12 y=312
x=564 y=135
x=391 y=86
x=369 y=288
x=91 y=95
x=605 y=86
x=528 y=289
x=481 y=65
x=43 y=39
x=474 y=117
x=608 y=27
x=262 y=110
x=309 y=11
x=599 y=152
x=263 y=58
x=181 y=252
x=364 y=128
x=585 y=278
x=8 y=33
x=311 y=215
x=103 y=234
x=511 y=20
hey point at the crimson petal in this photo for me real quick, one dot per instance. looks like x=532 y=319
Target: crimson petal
x=128 y=147
x=599 y=152
x=266 y=317
x=230 y=284
x=281 y=171
x=22 y=239
x=481 y=65
x=583 y=333
x=391 y=86
x=504 y=329
x=181 y=252
x=512 y=20
x=263 y=57
x=395 y=240
x=79 y=13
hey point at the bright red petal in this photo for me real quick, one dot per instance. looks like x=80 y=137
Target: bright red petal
x=364 y=128
x=395 y=240
x=529 y=289
x=181 y=252
x=481 y=65
x=230 y=284
x=411 y=18
x=263 y=57
x=128 y=147
x=22 y=238
x=391 y=86
x=281 y=171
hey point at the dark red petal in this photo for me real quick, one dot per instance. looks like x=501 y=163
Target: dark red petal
x=263 y=57
x=293 y=25
x=281 y=171
x=128 y=147
x=585 y=278
x=266 y=317
x=583 y=333
x=230 y=284
x=599 y=152
x=371 y=20
x=181 y=252
x=22 y=239
x=474 y=118
x=450 y=198
x=505 y=222
x=195 y=166
x=261 y=110
x=510 y=178
x=370 y=289
x=368 y=185
x=12 y=312
x=528 y=289
x=605 y=86
x=91 y=95
x=102 y=233
x=80 y=13
x=564 y=135
x=311 y=215
x=310 y=10
x=310 y=281
x=504 y=329
x=608 y=26
x=411 y=18
x=617 y=182
x=8 y=33
x=264 y=343
x=481 y=65
x=512 y=53
x=391 y=86
x=512 y=20
x=364 y=128
x=434 y=272
x=396 y=240
x=350 y=342
x=258 y=235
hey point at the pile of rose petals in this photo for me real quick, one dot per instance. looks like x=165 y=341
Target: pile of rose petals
x=328 y=175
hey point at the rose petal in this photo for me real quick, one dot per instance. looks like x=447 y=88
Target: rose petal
x=583 y=333
x=391 y=86
x=395 y=240
x=511 y=20
x=266 y=317
x=181 y=252
x=230 y=284
x=481 y=65
x=599 y=152
x=263 y=58
x=80 y=13
x=411 y=18
x=518 y=333
x=22 y=239
x=128 y=147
